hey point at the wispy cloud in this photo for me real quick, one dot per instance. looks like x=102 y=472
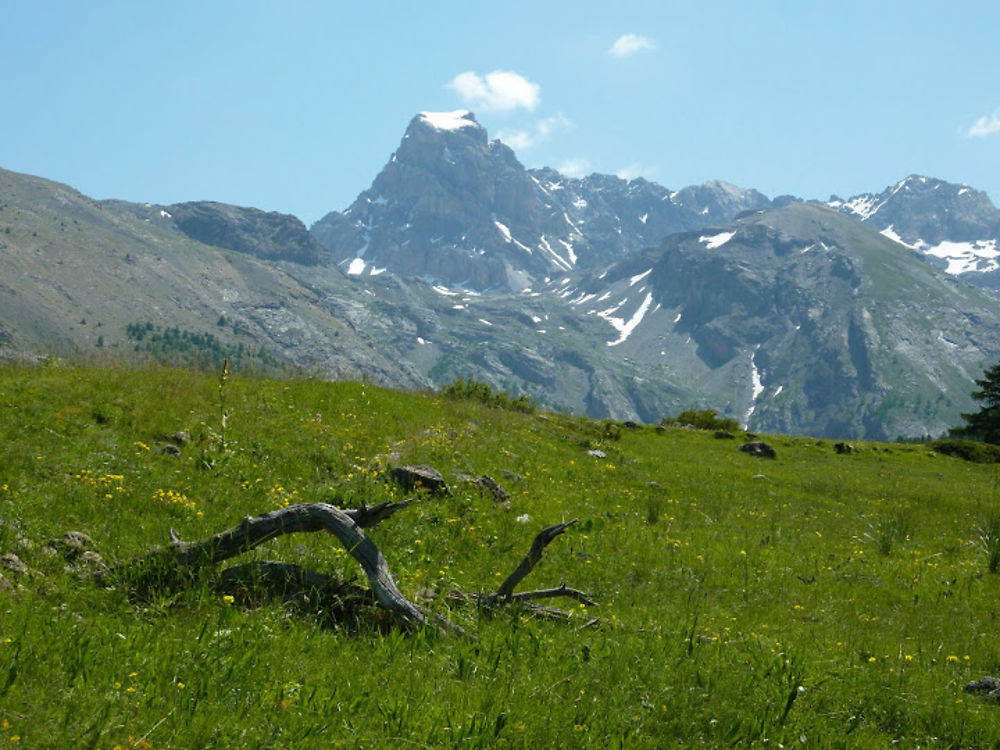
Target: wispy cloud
x=984 y=126
x=629 y=44
x=632 y=171
x=499 y=91
x=542 y=130
x=574 y=167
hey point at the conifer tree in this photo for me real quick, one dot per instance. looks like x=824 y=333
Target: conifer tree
x=984 y=424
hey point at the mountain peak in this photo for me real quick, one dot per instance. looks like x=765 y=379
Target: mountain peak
x=454 y=120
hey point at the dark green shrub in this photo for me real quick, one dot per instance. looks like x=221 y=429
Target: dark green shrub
x=980 y=453
x=479 y=391
x=707 y=419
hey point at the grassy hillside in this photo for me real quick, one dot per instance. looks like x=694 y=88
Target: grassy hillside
x=817 y=599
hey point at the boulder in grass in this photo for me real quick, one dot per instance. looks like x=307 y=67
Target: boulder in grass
x=988 y=687
x=70 y=545
x=490 y=485
x=420 y=477
x=759 y=448
x=13 y=564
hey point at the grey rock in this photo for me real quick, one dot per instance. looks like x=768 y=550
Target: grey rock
x=490 y=485
x=420 y=477
x=70 y=545
x=759 y=448
x=988 y=687
x=13 y=564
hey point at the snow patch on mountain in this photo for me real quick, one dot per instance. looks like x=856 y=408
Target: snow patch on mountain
x=639 y=277
x=560 y=261
x=863 y=206
x=756 y=385
x=503 y=230
x=625 y=327
x=961 y=257
x=716 y=240
x=455 y=120
x=964 y=257
x=569 y=250
x=891 y=234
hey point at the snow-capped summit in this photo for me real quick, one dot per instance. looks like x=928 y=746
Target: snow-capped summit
x=457 y=208
x=953 y=223
x=454 y=120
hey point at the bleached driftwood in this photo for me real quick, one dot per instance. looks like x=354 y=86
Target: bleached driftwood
x=185 y=558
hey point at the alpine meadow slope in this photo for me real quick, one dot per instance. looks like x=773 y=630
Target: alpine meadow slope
x=816 y=599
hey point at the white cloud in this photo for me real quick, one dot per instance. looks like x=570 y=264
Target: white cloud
x=516 y=139
x=542 y=130
x=574 y=167
x=985 y=125
x=635 y=170
x=629 y=44
x=499 y=91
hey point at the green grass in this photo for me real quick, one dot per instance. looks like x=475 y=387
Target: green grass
x=819 y=600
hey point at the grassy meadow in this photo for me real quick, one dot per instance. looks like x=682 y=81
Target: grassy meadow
x=815 y=600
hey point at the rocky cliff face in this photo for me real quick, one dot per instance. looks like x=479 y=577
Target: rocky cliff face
x=455 y=208
x=719 y=201
x=268 y=235
x=450 y=206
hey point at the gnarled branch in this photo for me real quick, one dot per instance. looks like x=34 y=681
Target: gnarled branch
x=180 y=558
x=505 y=593
x=253 y=531
x=542 y=539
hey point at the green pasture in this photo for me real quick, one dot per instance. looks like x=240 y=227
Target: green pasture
x=813 y=600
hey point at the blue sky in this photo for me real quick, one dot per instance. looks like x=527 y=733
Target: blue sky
x=295 y=106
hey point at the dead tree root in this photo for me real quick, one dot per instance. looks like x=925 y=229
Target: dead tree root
x=181 y=561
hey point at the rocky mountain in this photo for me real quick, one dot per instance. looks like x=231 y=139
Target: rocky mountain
x=79 y=275
x=799 y=319
x=455 y=208
x=620 y=299
x=264 y=234
x=955 y=226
